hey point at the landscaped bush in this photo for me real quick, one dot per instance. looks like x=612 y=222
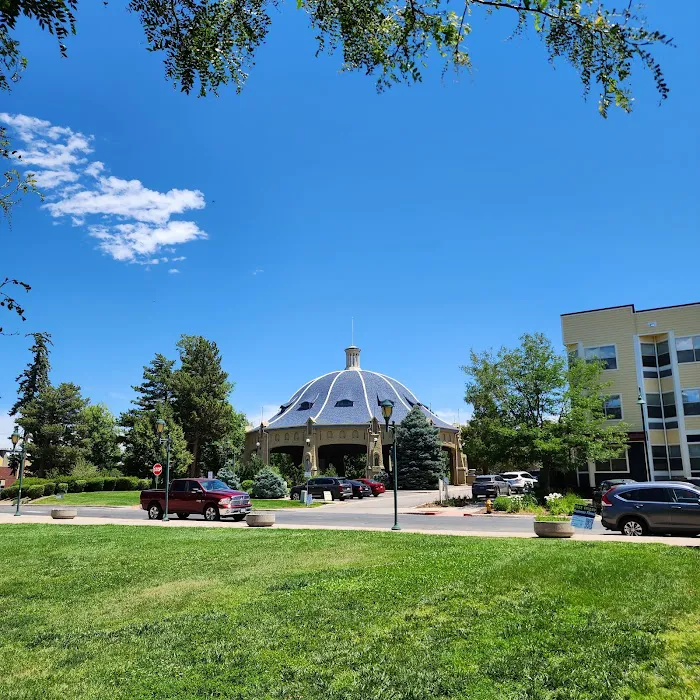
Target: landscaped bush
x=516 y=504
x=229 y=477
x=49 y=488
x=247 y=485
x=501 y=503
x=9 y=493
x=562 y=505
x=110 y=482
x=269 y=484
x=94 y=484
x=143 y=484
x=551 y=519
x=36 y=491
x=62 y=487
x=73 y=486
x=126 y=483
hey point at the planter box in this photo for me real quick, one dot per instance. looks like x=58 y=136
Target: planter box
x=260 y=519
x=63 y=513
x=551 y=529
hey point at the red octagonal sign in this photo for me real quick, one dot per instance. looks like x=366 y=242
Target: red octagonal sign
x=157 y=469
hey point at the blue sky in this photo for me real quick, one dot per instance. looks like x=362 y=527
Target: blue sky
x=455 y=214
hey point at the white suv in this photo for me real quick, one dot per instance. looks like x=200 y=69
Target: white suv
x=520 y=481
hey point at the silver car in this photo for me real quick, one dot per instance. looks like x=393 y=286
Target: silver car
x=652 y=507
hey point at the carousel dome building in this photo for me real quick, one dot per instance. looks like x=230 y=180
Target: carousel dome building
x=340 y=413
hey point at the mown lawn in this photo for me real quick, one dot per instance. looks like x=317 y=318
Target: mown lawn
x=131 y=612
x=131 y=498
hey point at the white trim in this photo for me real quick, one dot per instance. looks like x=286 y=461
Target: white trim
x=683 y=337
x=330 y=390
x=678 y=391
x=297 y=395
x=648 y=456
x=364 y=389
x=392 y=388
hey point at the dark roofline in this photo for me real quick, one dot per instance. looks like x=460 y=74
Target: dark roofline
x=634 y=311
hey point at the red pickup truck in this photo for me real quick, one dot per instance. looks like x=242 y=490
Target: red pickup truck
x=211 y=498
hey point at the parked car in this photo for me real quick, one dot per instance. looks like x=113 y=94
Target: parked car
x=520 y=482
x=652 y=507
x=490 y=486
x=604 y=486
x=359 y=488
x=694 y=482
x=339 y=488
x=376 y=486
x=211 y=498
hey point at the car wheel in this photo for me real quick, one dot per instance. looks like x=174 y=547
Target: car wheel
x=362 y=495
x=155 y=512
x=183 y=516
x=634 y=527
x=295 y=496
x=376 y=495
x=238 y=518
x=508 y=490
x=211 y=513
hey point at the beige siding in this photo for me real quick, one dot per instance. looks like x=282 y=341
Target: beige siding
x=682 y=320
x=689 y=373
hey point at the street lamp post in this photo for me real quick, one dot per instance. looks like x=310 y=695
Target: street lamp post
x=642 y=402
x=160 y=426
x=387 y=410
x=15 y=439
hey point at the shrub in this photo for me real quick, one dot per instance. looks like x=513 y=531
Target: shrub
x=36 y=491
x=501 y=503
x=563 y=505
x=110 y=482
x=9 y=493
x=229 y=477
x=551 y=519
x=143 y=484
x=34 y=481
x=269 y=484
x=62 y=487
x=82 y=469
x=247 y=485
x=49 y=488
x=126 y=483
x=94 y=484
x=76 y=486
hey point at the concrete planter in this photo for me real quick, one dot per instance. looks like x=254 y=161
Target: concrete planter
x=260 y=519
x=553 y=529
x=63 y=513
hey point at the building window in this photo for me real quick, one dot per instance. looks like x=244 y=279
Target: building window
x=613 y=407
x=604 y=353
x=343 y=403
x=663 y=353
x=305 y=406
x=669 y=401
x=619 y=464
x=694 y=450
x=665 y=456
x=691 y=402
x=648 y=355
x=654 y=409
x=688 y=349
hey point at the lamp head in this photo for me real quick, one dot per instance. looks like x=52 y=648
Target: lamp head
x=640 y=399
x=387 y=410
x=15 y=437
x=160 y=424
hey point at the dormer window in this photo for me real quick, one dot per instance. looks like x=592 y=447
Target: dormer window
x=305 y=406
x=343 y=403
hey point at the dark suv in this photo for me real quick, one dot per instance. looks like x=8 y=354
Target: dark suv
x=604 y=486
x=490 y=485
x=340 y=489
x=652 y=506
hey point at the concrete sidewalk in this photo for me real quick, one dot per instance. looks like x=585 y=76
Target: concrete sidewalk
x=6 y=519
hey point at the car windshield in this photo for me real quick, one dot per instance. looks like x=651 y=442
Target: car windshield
x=214 y=485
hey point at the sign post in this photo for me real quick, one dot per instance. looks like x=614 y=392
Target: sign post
x=157 y=471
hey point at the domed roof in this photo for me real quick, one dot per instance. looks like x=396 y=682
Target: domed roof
x=352 y=396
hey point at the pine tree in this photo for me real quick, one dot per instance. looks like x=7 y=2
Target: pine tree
x=420 y=461
x=54 y=422
x=201 y=390
x=155 y=391
x=35 y=378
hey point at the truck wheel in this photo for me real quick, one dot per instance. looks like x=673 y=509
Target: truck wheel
x=183 y=516
x=211 y=513
x=155 y=512
x=634 y=527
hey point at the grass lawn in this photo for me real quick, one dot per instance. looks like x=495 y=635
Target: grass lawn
x=131 y=498
x=136 y=612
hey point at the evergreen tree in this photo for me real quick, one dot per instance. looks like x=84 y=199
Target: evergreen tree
x=251 y=468
x=268 y=484
x=54 y=422
x=420 y=462
x=229 y=477
x=201 y=390
x=155 y=391
x=101 y=437
x=35 y=378
x=142 y=447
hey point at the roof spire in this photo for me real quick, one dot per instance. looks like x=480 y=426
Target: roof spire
x=352 y=357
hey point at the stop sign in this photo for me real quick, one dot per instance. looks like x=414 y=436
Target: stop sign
x=157 y=469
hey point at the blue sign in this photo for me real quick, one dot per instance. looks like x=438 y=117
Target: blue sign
x=583 y=517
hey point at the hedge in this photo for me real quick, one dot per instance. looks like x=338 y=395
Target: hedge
x=61 y=487
x=143 y=484
x=77 y=486
x=94 y=484
x=9 y=492
x=50 y=488
x=126 y=483
x=247 y=485
x=110 y=482
x=36 y=491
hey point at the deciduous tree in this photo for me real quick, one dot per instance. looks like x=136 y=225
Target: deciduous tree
x=101 y=437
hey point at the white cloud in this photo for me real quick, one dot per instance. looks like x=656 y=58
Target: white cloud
x=131 y=222
x=173 y=271
x=257 y=271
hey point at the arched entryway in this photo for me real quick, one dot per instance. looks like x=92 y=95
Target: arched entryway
x=343 y=459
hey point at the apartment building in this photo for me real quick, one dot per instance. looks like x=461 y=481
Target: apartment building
x=652 y=359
